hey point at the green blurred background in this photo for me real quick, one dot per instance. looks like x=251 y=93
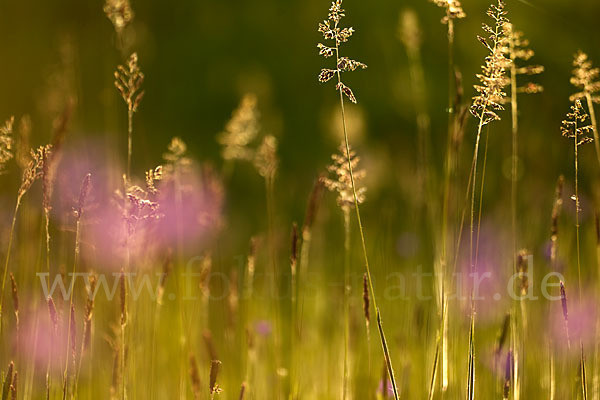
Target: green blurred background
x=200 y=57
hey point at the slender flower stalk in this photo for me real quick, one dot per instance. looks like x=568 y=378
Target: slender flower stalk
x=78 y=212
x=332 y=31
x=30 y=175
x=485 y=106
x=518 y=51
x=454 y=11
x=342 y=184
x=575 y=127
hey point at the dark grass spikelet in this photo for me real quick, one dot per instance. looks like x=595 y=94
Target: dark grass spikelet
x=563 y=301
x=84 y=190
x=366 y=300
x=242 y=391
x=123 y=298
x=166 y=271
x=8 y=380
x=312 y=207
x=194 y=377
x=53 y=313
x=115 y=379
x=556 y=209
x=502 y=335
x=15 y=297
x=14 y=385
x=294 y=246
x=522 y=265
x=89 y=310
x=210 y=345
x=508 y=368
x=73 y=332
x=215 y=366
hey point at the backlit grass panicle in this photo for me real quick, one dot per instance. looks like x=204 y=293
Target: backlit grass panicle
x=585 y=78
x=519 y=52
x=153 y=176
x=493 y=77
x=265 y=158
x=241 y=131
x=34 y=168
x=342 y=181
x=556 y=209
x=453 y=8
x=128 y=80
x=175 y=157
x=119 y=12
x=333 y=32
x=23 y=138
x=6 y=142
x=574 y=125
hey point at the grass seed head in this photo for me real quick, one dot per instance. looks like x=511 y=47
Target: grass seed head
x=342 y=184
x=241 y=131
x=6 y=142
x=585 y=78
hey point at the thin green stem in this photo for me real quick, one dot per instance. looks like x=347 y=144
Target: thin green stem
x=4 y=274
x=446 y=198
x=129 y=140
x=590 y=103
x=71 y=290
x=346 y=299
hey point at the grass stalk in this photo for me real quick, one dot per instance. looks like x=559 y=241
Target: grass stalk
x=362 y=235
